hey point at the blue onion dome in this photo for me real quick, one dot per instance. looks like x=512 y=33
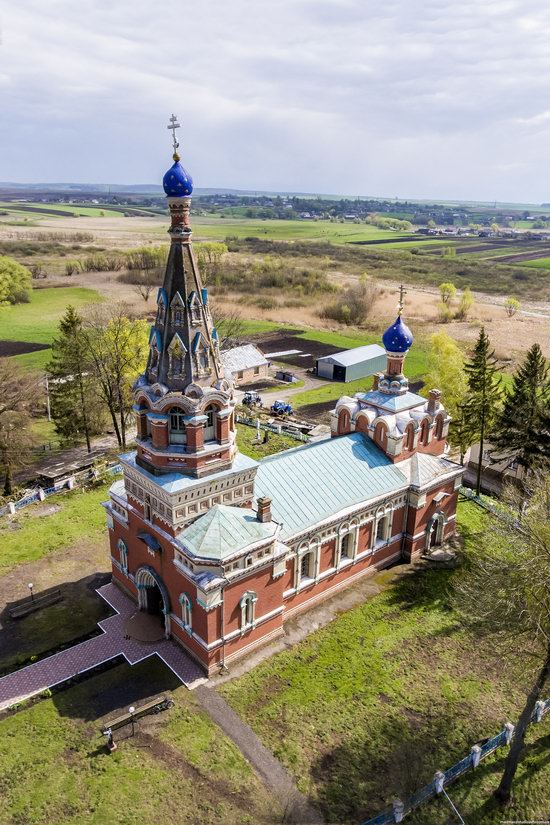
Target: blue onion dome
x=177 y=183
x=398 y=337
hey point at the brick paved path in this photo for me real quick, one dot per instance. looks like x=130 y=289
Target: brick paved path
x=68 y=663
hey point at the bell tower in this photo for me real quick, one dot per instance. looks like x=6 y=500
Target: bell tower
x=183 y=400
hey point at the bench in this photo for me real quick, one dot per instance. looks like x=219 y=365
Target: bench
x=155 y=705
x=36 y=603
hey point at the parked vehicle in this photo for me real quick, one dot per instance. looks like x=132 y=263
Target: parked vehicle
x=281 y=408
x=252 y=399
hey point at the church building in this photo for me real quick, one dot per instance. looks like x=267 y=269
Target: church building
x=225 y=548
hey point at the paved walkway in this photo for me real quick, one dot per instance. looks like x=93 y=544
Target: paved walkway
x=296 y=806
x=54 y=670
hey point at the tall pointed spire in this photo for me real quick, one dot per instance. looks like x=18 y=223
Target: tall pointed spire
x=183 y=401
x=183 y=342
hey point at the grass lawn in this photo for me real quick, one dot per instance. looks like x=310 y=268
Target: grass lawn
x=179 y=767
x=26 y=537
x=37 y=321
x=246 y=438
x=368 y=707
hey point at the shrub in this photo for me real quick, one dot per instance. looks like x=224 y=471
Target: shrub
x=511 y=305
x=355 y=303
x=71 y=267
x=15 y=282
x=465 y=304
x=444 y=313
x=447 y=292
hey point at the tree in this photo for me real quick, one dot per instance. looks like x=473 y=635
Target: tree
x=15 y=282
x=494 y=227
x=144 y=290
x=447 y=292
x=229 y=325
x=523 y=430
x=445 y=370
x=505 y=594
x=117 y=349
x=431 y=224
x=18 y=394
x=511 y=305
x=72 y=385
x=209 y=256
x=482 y=403
x=465 y=304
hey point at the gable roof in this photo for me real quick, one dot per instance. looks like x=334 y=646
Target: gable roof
x=357 y=355
x=224 y=531
x=243 y=358
x=311 y=483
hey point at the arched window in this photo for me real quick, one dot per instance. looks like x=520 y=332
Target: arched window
x=177 y=316
x=248 y=610
x=346 y=545
x=380 y=435
x=424 y=432
x=177 y=426
x=439 y=427
x=343 y=422
x=154 y=359
x=123 y=555
x=186 y=618
x=408 y=439
x=383 y=529
x=306 y=566
x=210 y=423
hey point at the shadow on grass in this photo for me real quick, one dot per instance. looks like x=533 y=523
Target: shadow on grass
x=115 y=689
x=359 y=779
x=55 y=627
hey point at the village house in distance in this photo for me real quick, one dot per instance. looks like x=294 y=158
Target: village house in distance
x=225 y=548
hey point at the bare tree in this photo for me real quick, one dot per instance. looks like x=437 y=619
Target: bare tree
x=229 y=325
x=144 y=290
x=505 y=593
x=18 y=396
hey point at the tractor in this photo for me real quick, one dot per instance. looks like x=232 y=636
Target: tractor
x=281 y=408
x=252 y=399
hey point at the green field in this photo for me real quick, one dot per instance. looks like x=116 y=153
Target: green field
x=179 y=766
x=368 y=707
x=50 y=209
x=540 y=263
x=37 y=321
x=219 y=228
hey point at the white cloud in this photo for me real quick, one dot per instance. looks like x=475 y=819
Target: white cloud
x=410 y=97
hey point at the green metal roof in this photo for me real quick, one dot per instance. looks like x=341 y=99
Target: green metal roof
x=225 y=530
x=311 y=483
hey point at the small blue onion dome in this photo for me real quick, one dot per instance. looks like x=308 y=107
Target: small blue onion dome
x=398 y=337
x=177 y=183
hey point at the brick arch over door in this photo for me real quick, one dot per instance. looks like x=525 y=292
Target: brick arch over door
x=147 y=576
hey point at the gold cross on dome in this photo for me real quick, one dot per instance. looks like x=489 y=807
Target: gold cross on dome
x=401 y=304
x=173 y=125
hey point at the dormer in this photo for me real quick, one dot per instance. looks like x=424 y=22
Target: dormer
x=177 y=310
x=176 y=353
x=194 y=308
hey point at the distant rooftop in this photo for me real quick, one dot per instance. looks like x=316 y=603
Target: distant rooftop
x=355 y=356
x=244 y=357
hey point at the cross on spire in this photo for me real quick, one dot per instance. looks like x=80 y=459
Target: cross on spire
x=401 y=304
x=173 y=125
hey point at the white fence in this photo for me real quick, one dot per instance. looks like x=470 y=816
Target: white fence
x=62 y=486
x=274 y=428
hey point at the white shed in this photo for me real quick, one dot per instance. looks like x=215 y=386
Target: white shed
x=246 y=363
x=352 y=364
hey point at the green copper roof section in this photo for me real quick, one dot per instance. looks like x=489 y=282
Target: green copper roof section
x=224 y=531
x=311 y=483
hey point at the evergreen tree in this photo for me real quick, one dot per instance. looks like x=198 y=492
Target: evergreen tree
x=523 y=430
x=71 y=388
x=482 y=403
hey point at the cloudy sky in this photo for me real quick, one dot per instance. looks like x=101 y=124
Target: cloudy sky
x=407 y=98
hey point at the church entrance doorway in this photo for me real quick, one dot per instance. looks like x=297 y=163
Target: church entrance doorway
x=435 y=531
x=153 y=598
